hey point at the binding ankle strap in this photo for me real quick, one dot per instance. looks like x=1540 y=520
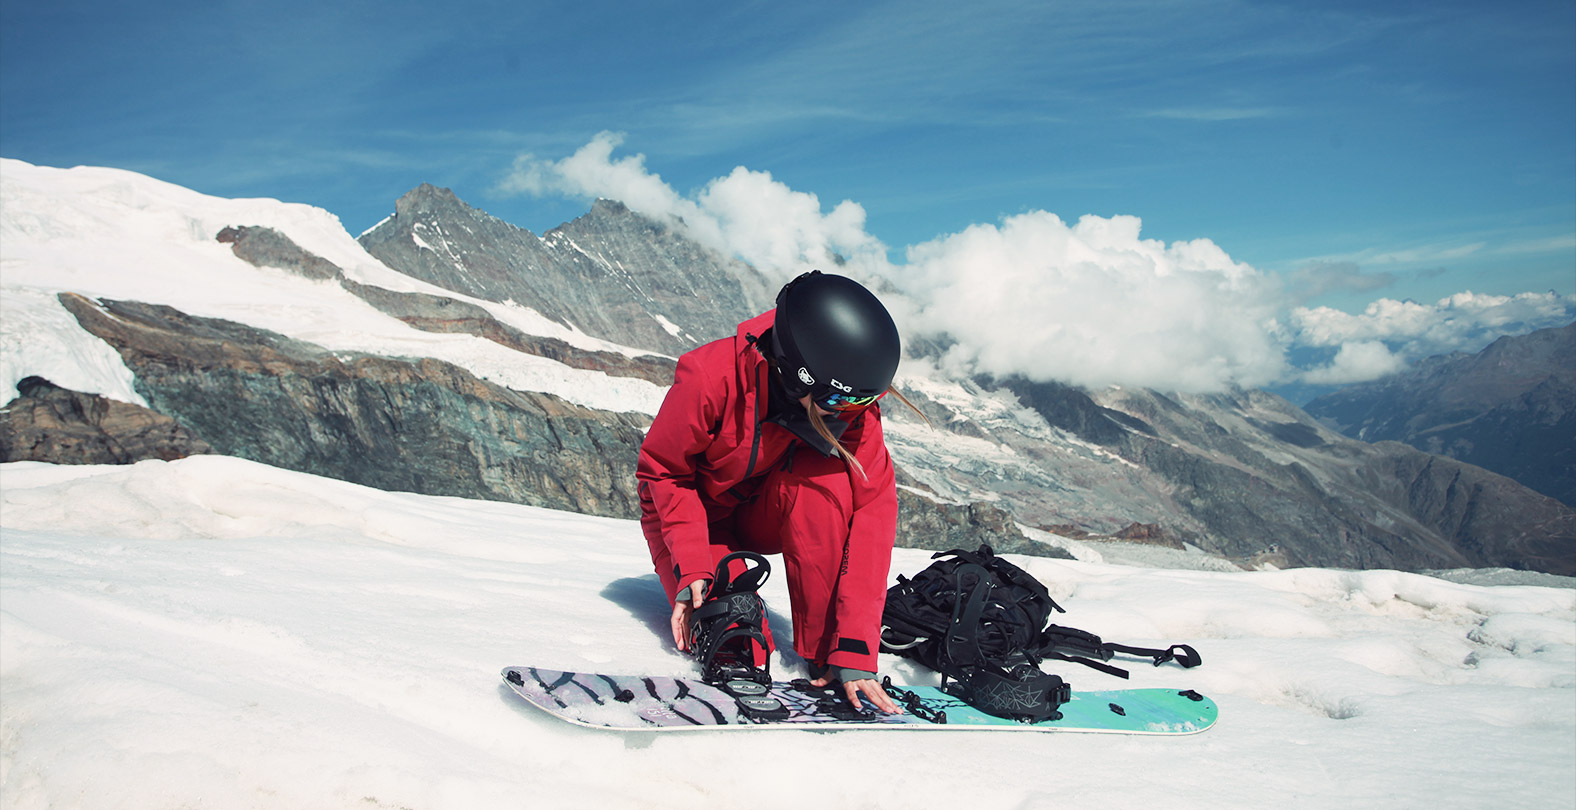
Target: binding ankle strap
x=755 y=575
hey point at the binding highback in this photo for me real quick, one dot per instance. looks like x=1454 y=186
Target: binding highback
x=728 y=632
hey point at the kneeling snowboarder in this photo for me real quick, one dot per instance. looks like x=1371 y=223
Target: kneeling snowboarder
x=770 y=442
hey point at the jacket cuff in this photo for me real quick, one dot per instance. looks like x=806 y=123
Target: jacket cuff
x=687 y=580
x=853 y=653
x=847 y=674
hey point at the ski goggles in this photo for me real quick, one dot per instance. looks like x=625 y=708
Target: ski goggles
x=842 y=403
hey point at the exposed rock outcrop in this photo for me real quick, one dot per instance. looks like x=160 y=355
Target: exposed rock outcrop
x=1255 y=472
x=266 y=247
x=49 y=423
x=432 y=313
x=418 y=426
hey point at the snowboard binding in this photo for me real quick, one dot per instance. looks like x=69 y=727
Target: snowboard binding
x=728 y=630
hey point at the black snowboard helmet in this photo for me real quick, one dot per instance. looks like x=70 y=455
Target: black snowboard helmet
x=834 y=341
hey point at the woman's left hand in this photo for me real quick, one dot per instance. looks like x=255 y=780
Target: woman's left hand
x=869 y=689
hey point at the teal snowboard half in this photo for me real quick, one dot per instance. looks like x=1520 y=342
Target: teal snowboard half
x=666 y=703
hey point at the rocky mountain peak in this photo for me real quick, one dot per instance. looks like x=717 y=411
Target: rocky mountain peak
x=428 y=199
x=604 y=207
x=612 y=273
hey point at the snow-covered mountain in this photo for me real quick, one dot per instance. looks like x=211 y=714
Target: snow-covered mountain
x=266 y=332
x=493 y=363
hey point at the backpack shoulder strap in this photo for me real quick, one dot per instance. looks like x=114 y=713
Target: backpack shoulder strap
x=961 y=646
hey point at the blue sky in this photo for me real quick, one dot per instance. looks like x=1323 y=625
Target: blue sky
x=1355 y=151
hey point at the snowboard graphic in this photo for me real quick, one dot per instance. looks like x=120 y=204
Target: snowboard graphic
x=666 y=703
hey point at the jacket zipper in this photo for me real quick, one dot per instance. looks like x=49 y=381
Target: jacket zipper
x=755 y=443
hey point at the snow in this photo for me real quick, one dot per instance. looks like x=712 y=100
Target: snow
x=218 y=633
x=669 y=326
x=39 y=336
x=380 y=223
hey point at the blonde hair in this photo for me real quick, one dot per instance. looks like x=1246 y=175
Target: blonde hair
x=848 y=458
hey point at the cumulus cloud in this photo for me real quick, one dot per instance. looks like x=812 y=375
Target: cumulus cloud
x=593 y=172
x=1095 y=304
x=745 y=214
x=1090 y=303
x=1388 y=333
x=1461 y=322
x=1357 y=362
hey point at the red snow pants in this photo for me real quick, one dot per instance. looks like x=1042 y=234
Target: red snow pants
x=801 y=510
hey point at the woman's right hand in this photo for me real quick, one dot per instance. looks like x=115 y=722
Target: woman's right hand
x=682 y=608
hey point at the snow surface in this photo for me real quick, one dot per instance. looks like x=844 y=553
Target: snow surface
x=215 y=633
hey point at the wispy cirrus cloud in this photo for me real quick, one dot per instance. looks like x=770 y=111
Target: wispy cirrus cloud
x=1317 y=279
x=1214 y=113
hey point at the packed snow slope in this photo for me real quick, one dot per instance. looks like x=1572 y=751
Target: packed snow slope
x=213 y=633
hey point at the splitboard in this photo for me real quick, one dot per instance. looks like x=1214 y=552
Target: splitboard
x=666 y=703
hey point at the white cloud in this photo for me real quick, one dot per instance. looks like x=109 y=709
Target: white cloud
x=1388 y=333
x=592 y=172
x=1094 y=304
x=1424 y=254
x=778 y=229
x=745 y=214
x=1091 y=303
x=1357 y=362
x=1465 y=321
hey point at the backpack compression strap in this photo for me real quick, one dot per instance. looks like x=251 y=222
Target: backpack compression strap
x=1057 y=642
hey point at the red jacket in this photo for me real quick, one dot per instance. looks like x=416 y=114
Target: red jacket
x=708 y=438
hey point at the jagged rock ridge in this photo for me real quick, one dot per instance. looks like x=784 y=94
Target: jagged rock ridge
x=610 y=273
x=266 y=247
x=410 y=425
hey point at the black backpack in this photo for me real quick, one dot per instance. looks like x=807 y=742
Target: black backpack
x=981 y=622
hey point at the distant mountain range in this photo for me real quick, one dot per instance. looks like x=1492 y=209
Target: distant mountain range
x=1510 y=408
x=1243 y=475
